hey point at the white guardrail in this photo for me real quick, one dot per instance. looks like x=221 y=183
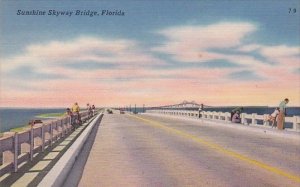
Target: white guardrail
x=248 y=119
x=21 y=147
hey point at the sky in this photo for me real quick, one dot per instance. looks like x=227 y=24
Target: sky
x=220 y=53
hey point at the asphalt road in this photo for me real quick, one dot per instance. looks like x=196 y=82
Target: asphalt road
x=143 y=150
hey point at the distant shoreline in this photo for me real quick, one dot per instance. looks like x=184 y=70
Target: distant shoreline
x=50 y=115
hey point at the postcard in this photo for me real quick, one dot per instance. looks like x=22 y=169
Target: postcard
x=126 y=57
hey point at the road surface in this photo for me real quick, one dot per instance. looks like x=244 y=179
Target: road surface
x=145 y=150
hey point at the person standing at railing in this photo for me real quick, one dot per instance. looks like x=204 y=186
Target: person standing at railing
x=75 y=107
x=282 y=114
x=76 y=110
x=200 y=110
x=89 y=110
x=93 y=109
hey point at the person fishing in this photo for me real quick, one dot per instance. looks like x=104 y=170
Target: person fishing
x=238 y=109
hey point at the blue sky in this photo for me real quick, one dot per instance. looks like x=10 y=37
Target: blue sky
x=143 y=18
x=155 y=33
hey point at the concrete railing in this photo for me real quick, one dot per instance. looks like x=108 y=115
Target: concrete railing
x=252 y=119
x=17 y=148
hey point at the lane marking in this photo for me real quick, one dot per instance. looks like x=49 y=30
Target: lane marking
x=221 y=149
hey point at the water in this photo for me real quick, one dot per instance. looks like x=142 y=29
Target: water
x=17 y=117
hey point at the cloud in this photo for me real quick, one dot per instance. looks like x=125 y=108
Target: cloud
x=249 y=48
x=87 y=58
x=191 y=43
x=212 y=64
x=223 y=45
x=244 y=76
x=219 y=64
x=280 y=51
x=81 y=50
x=82 y=67
x=29 y=73
x=286 y=57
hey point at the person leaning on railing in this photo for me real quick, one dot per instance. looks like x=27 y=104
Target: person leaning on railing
x=282 y=113
x=70 y=114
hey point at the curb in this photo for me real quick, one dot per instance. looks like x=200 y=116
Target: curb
x=56 y=176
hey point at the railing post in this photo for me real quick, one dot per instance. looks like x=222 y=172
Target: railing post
x=63 y=128
x=226 y=117
x=66 y=125
x=31 y=147
x=58 y=130
x=1 y=158
x=51 y=134
x=43 y=138
x=219 y=115
x=16 y=152
x=254 y=121
x=243 y=118
x=66 y=122
x=296 y=121
x=70 y=121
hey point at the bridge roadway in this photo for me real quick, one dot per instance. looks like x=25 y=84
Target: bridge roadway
x=147 y=150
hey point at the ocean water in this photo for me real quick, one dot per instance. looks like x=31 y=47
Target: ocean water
x=16 y=117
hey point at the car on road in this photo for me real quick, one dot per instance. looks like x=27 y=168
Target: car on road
x=109 y=111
